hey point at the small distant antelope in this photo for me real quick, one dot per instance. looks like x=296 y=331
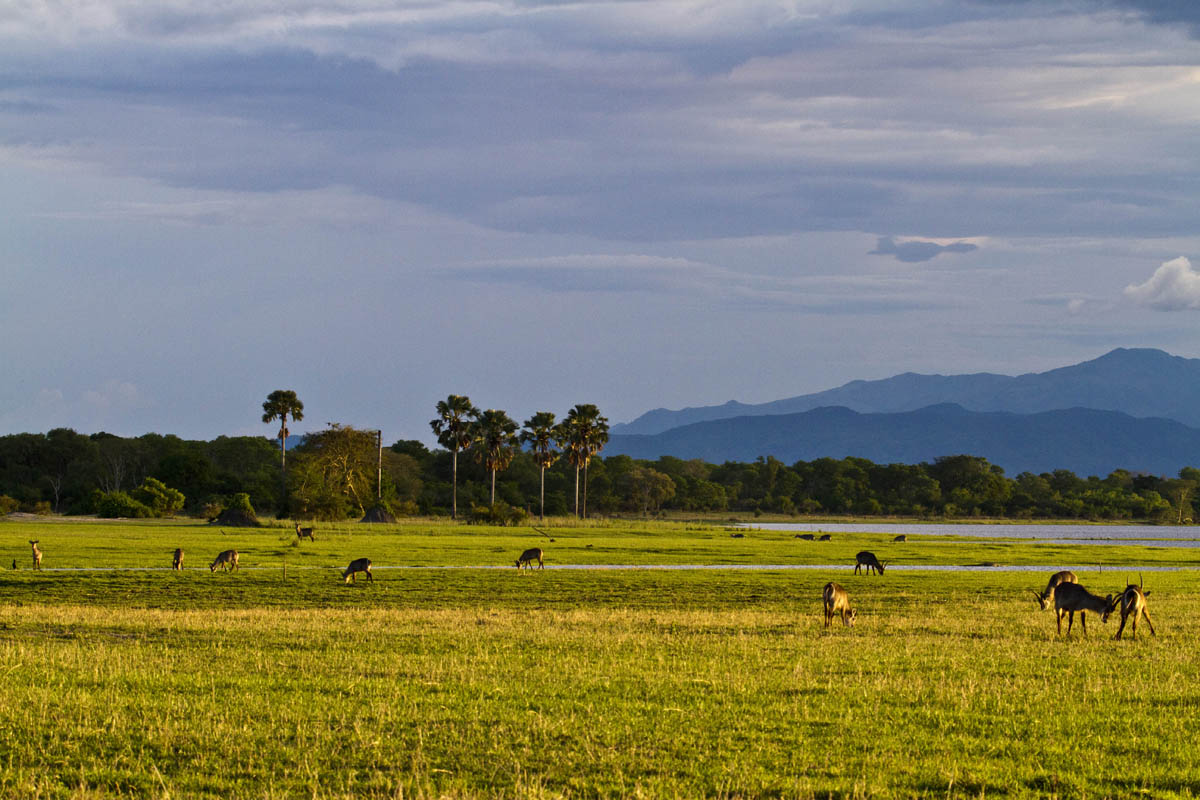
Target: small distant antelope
x=1047 y=597
x=225 y=559
x=808 y=537
x=1133 y=603
x=901 y=538
x=837 y=602
x=529 y=556
x=177 y=561
x=37 y=554
x=305 y=533
x=356 y=566
x=825 y=537
x=1071 y=597
x=868 y=560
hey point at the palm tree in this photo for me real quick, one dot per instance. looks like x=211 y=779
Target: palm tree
x=453 y=429
x=279 y=404
x=494 y=437
x=583 y=434
x=539 y=434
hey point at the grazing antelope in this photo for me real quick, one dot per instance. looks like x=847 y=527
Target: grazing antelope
x=1071 y=597
x=529 y=556
x=1133 y=603
x=1047 y=597
x=808 y=537
x=837 y=602
x=37 y=554
x=225 y=559
x=868 y=560
x=824 y=537
x=305 y=533
x=177 y=561
x=356 y=566
x=901 y=538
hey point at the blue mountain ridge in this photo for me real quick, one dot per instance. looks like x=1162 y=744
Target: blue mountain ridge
x=1083 y=440
x=1140 y=382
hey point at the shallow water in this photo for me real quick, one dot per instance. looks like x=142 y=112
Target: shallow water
x=1152 y=535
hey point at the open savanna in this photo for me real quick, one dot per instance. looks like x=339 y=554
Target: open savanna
x=444 y=679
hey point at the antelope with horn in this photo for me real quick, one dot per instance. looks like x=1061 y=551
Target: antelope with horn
x=868 y=561
x=1046 y=598
x=1071 y=597
x=1133 y=604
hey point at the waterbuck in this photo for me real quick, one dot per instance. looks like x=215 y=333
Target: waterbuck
x=868 y=560
x=901 y=538
x=356 y=566
x=37 y=554
x=529 y=556
x=1047 y=597
x=1133 y=603
x=177 y=560
x=837 y=602
x=305 y=533
x=1071 y=597
x=226 y=560
x=824 y=537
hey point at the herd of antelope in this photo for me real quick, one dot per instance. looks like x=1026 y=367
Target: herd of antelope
x=1063 y=590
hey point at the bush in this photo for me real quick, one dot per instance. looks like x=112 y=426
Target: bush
x=8 y=504
x=118 y=504
x=499 y=514
x=160 y=498
x=239 y=513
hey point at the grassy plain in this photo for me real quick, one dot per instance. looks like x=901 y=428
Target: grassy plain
x=454 y=676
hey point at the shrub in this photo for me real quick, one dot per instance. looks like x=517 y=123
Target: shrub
x=501 y=513
x=160 y=498
x=118 y=504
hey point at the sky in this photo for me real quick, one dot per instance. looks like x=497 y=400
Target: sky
x=378 y=203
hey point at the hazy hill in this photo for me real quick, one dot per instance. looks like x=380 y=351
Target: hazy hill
x=1138 y=382
x=1085 y=441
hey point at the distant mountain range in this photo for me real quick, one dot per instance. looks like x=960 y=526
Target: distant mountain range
x=1138 y=382
x=1130 y=409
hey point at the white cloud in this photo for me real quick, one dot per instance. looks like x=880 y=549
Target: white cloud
x=1174 y=286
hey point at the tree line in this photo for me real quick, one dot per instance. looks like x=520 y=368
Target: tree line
x=498 y=471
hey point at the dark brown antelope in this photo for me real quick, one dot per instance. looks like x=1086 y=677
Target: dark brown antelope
x=1047 y=597
x=529 y=556
x=305 y=533
x=1071 y=597
x=177 y=560
x=868 y=560
x=37 y=554
x=1133 y=604
x=824 y=537
x=226 y=560
x=901 y=538
x=356 y=566
x=837 y=602
x=808 y=537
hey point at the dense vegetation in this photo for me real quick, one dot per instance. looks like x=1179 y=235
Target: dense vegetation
x=335 y=474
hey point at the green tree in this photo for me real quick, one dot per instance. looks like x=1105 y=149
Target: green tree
x=539 y=435
x=582 y=435
x=494 y=438
x=161 y=499
x=278 y=406
x=453 y=428
x=335 y=473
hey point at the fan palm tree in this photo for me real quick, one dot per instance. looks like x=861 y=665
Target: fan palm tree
x=582 y=434
x=539 y=434
x=453 y=429
x=494 y=437
x=278 y=406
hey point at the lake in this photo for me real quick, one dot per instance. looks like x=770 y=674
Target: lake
x=1158 y=535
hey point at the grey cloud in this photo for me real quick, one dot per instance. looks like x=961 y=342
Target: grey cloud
x=915 y=251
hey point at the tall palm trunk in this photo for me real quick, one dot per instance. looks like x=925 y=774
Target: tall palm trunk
x=542 y=511
x=454 y=487
x=584 y=514
x=493 y=487
x=577 y=490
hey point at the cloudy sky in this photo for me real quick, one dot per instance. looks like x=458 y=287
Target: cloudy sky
x=377 y=203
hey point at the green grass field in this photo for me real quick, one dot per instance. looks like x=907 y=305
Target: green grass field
x=453 y=675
